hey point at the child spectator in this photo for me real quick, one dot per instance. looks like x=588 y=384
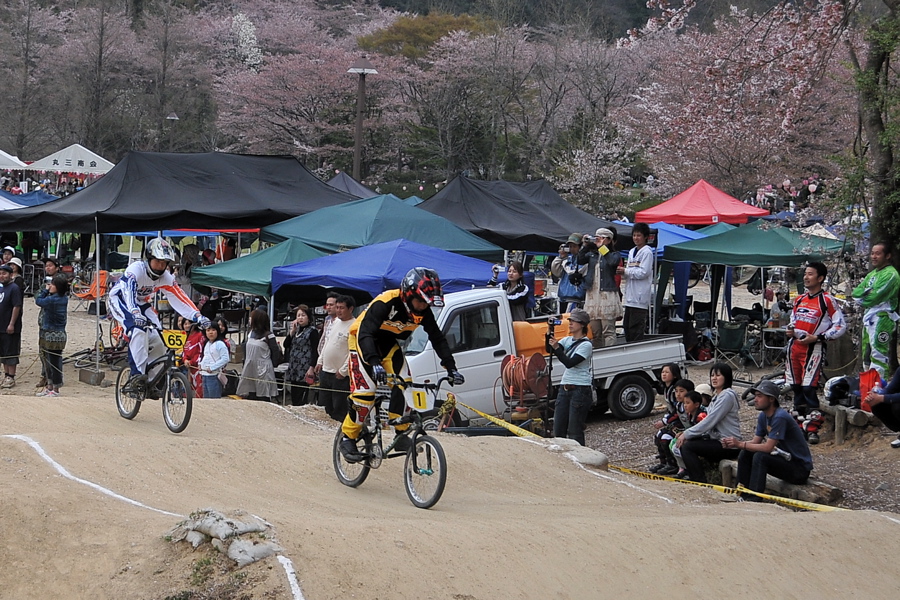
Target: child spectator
x=193 y=350
x=706 y=393
x=215 y=357
x=670 y=425
x=694 y=412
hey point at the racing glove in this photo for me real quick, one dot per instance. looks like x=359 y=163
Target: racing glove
x=204 y=323
x=456 y=378
x=140 y=321
x=379 y=375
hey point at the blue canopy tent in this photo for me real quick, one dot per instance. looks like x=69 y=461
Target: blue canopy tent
x=29 y=199
x=366 y=272
x=668 y=235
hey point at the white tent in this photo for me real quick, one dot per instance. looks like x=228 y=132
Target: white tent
x=9 y=204
x=8 y=161
x=76 y=158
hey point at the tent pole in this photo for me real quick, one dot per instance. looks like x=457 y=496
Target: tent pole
x=97 y=279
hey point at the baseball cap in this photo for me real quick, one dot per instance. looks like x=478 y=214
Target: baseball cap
x=10 y=248
x=51 y=259
x=6 y=268
x=580 y=316
x=704 y=389
x=575 y=238
x=766 y=387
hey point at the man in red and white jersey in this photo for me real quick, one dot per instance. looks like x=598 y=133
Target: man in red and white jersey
x=129 y=302
x=815 y=318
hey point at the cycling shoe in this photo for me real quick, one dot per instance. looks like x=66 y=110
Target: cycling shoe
x=349 y=450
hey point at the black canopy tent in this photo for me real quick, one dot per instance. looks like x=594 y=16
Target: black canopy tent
x=517 y=216
x=149 y=190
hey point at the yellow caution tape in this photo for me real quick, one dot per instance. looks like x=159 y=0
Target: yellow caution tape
x=733 y=491
x=515 y=429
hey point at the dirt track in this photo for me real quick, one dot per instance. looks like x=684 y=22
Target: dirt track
x=515 y=521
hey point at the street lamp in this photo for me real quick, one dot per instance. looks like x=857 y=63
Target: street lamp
x=361 y=67
x=172 y=118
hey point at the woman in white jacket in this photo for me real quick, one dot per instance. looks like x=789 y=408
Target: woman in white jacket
x=215 y=357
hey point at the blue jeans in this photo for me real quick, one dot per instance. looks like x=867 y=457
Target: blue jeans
x=754 y=466
x=570 y=414
x=212 y=387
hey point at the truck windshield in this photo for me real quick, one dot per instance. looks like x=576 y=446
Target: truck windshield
x=415 y=343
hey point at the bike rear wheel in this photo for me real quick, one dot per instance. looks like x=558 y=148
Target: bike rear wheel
x=177 y=402
x=425 y=472
x=128 y=403
x=348 y=473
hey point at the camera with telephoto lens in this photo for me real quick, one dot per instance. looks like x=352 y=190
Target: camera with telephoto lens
x=48 y=279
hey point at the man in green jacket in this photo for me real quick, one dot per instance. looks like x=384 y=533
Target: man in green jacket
x=878 y=294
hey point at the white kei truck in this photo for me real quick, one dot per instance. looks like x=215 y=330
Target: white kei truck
x=479 y=328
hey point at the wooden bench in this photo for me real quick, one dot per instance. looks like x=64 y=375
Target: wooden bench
x=813 y=490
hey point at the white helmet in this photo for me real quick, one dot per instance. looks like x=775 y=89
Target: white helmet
x=160 y=249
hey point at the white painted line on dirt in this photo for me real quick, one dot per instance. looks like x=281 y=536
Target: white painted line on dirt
x=615 y=480
x=285 y=561
x=292 y=577
x=572 y=457
x=306 y=420
x=62 y=471
x=897 y=521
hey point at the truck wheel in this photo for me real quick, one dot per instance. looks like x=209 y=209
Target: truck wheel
x=631 y=397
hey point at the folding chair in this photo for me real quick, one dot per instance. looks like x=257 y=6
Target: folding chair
x=92 y=293
x=730 y=341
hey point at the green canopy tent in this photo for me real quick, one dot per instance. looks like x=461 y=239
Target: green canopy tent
x=755 y=245
x=376 y=220
x=716 y=228
x=252 y=274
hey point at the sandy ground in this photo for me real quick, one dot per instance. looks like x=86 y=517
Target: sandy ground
x=516 y=520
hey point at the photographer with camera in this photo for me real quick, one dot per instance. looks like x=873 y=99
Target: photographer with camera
x=573 y=278
x=602 y=299
x=573 y=401
x=515 y=287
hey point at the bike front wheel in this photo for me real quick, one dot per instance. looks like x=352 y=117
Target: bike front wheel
x=128 y=402
x=177 y=402
x=425 y=472
x=348 y=473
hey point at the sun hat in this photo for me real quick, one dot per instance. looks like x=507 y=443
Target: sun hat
x=15 y=260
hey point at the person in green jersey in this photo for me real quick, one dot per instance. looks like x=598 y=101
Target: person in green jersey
x=877 y=293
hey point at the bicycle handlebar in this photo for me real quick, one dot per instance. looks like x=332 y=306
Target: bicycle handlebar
x=431 y=387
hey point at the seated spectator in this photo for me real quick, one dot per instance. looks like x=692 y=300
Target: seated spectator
x=886 y=406
x=517 y=292
x=703 y=440
x=693 y=412
x=671 y=423
x=778 y=448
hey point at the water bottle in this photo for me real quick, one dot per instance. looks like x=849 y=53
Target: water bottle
x=782 y=453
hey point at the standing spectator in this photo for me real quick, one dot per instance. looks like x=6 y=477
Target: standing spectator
x=258 y=375
x=16 y=263
x=54 y=301
x=301 y=349
x=332 y=366
x=602 y=300
x=815 y=318
x=51 y=268
x=886 y=406
x=192 y=352
x=330 y=299
x=571 y=275
x=638 y=276
x=516 y=289
x=778 y=447
x=573 y=402
x=10 y=326
x=877 y=293
x=8 y=253
x=703 y=440
x=215 y=357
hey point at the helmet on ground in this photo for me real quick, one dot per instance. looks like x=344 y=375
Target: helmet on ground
x=160 y=249
x=424 y=284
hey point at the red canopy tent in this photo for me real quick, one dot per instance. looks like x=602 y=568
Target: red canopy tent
x=701 y=204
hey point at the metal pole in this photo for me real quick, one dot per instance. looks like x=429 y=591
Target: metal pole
x=360 y=104
x=99 y=296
